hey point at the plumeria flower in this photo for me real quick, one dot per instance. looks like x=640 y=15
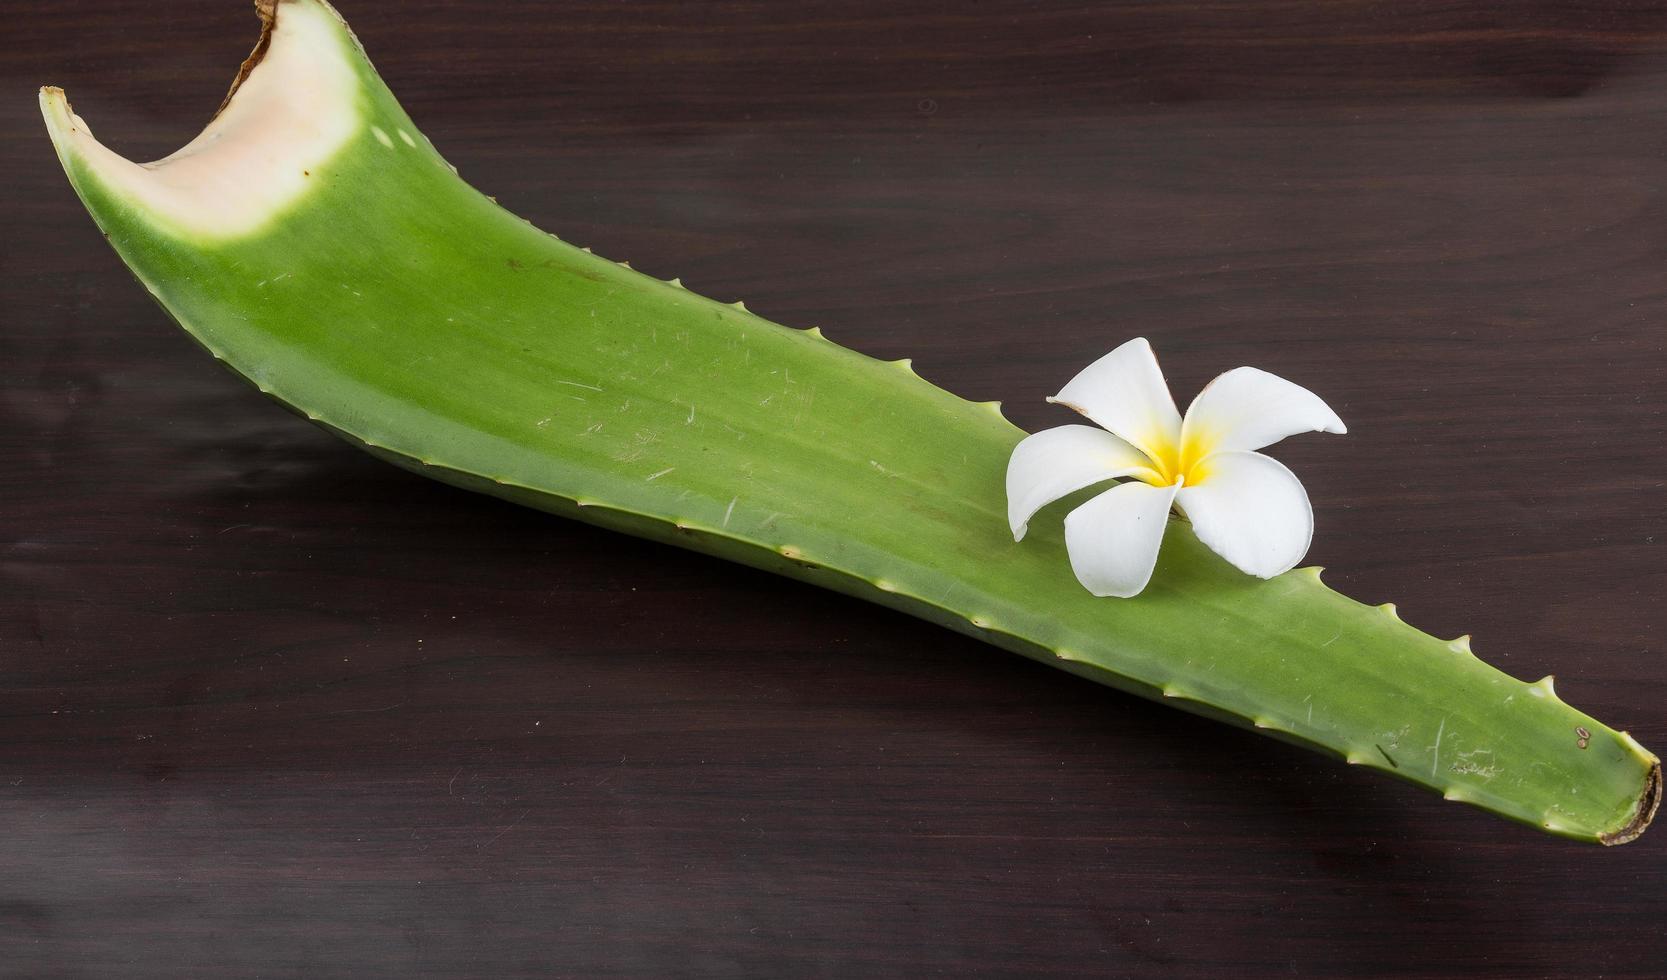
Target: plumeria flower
x=1247 y=507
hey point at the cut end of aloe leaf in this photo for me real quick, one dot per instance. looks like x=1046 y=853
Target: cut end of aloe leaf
x=283 y=120
x=1648 y=804
x=314 y=241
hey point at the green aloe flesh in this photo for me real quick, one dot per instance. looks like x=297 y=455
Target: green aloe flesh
x=406 y=312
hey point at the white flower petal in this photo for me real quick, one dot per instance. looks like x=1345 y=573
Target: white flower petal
x=1113 y=539
x=1125 y=392
x=1248 y=408
x=1252 y=511
x=1055 y=462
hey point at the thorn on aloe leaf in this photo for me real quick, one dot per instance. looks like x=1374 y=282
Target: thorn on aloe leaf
x=1632 y=744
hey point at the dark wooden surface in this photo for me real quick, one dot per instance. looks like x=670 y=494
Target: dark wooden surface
x=271 y=708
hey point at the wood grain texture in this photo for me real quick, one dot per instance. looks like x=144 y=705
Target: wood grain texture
x=271 y=708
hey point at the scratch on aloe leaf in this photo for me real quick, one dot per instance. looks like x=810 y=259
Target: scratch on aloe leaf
x=1435 y=761
x=577 y=385
x=656 y=476
x=729 y=510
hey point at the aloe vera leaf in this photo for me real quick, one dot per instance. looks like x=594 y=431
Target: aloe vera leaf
x=314 y=241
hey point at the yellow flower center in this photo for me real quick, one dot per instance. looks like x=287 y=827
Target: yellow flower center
x=1179 y=461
